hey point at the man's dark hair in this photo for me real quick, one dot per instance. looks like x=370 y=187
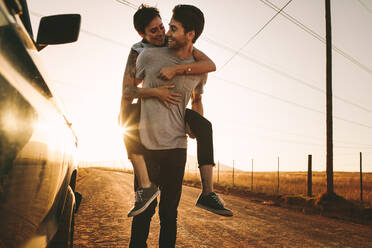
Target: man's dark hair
x=190 y=17
x=143 y=16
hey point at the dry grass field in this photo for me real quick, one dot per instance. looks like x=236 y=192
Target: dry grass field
x=346 y=184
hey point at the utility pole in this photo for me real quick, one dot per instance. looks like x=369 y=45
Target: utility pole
x=309 y=176
x=329 y=109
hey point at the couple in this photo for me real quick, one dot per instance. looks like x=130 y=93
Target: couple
x=156 y=139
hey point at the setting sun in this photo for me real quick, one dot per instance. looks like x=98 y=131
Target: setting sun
x=101 y=141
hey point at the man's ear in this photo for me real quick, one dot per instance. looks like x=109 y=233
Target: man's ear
x=190 y=35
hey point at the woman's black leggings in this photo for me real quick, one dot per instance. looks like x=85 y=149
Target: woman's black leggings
x=202 y=129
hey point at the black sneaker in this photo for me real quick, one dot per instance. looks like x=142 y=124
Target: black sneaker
x=213 y=203
x=144 y=196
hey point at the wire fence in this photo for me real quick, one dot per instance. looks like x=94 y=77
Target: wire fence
x=355 y=186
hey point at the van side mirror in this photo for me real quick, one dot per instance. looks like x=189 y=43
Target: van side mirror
x=58 y=29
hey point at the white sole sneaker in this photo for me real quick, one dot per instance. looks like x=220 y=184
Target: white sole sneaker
x=141 y=210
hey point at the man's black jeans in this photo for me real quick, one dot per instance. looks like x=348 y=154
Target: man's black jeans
x=166 y=169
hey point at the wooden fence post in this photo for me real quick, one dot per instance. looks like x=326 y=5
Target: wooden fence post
x=233 y=172
x=278 y=176
x=309 y=176
x=361 y=178
x=252 y=177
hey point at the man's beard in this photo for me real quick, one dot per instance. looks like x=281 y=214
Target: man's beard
x=177 y=44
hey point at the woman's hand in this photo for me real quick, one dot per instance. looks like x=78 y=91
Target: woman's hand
x=167 y=73
x=166 y=96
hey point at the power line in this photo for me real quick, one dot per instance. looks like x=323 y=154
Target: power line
x=285 y=74
x=127 y=3
x=365 y=6
x=292 y=141
x=300 y=81
x=290 y=102
x=255 y=35
x=306 y=29
x=283 y=132
x=366 y=146
x=309 y=143
x=117 y=43
x=268 y=95
x=317 y=36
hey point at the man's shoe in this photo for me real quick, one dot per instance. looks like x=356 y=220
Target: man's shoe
x=144 y=196
x=213 y=203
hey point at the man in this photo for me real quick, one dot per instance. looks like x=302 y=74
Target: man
x=162 y=129
x=148 y=24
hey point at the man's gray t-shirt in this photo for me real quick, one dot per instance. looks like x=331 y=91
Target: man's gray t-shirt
x=161 y=128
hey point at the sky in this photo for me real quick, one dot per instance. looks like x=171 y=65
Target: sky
x=267 y=98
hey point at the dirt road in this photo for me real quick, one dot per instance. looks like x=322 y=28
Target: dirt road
x=107 y=197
